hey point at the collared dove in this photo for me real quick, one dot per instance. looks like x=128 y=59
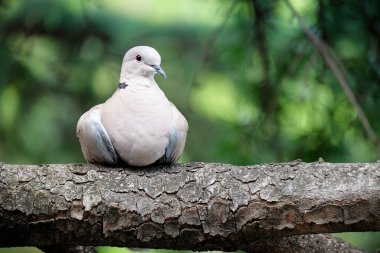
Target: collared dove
x=138 y=125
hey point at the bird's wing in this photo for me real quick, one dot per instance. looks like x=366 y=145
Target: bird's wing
x=177 y=137
x=94 y=140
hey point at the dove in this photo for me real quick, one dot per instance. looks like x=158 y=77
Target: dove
x=137 y=125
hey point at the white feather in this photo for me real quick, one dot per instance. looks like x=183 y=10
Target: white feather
x=143 y=126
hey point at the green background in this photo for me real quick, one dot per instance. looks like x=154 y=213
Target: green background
x=252 y=86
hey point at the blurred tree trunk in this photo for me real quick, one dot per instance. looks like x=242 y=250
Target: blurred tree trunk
x=194 y=206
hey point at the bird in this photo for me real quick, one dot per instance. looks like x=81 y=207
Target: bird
x=137 y=125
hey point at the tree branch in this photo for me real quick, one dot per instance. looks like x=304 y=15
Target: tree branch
x=68 y=249
x=194 y=206
x=304 y=243
x=339 y=71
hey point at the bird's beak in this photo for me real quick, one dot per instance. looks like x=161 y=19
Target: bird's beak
x=159 y=70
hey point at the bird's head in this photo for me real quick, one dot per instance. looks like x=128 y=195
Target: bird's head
x=141 y=61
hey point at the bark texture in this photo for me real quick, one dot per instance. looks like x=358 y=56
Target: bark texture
x=315 y=243
x=194 y=206
x=69 y=249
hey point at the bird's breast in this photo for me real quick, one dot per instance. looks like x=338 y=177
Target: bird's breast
x=138 y=123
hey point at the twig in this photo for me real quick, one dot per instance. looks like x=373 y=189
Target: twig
x=206 y=51
x=339 y=72
x=259 y=22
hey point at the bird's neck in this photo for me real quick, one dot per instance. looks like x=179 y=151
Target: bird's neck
x=138 y=80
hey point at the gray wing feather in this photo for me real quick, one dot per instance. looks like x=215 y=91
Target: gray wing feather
x=169 y=156
x=94 y=140
x=177 y=138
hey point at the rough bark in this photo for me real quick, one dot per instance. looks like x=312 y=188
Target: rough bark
x=303 y=244
x=68 y=249
x=194 y=206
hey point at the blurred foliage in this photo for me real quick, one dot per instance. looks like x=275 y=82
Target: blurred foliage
x=368 y=240
x=252 y=86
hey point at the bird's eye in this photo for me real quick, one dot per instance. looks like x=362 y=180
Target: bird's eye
x=138 y=58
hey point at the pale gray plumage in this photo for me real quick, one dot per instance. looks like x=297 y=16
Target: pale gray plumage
x=94 y=140
x=138 y=125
